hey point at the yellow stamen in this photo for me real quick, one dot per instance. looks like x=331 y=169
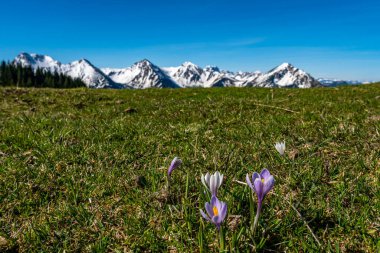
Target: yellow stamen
x=262 y=180
x=215 y=210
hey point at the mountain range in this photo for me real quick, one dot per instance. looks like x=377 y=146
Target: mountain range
x=145 y=74
x=338 y=82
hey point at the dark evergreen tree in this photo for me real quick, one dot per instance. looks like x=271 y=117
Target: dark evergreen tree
x=17 y=75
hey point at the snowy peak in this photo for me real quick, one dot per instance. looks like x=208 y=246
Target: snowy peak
x=189 y=68
x=285 y=75
x=186 y=75
x=143 y=64
x=85 y=61
x=38 y=61
x=141 y=75
x=89 y=74
x=25 y=58
x=284 y=66
x=189 y=64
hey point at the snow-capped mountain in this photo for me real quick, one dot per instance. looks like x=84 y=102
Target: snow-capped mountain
x=141 y=75
x=83 y=69
x=144 y=74
x=285 y=75
x=89 y=74
x=187 y=75
x=38 y=61
x=191 y=75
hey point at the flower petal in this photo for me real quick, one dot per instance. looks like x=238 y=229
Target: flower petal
x=204 y=215
x=209 y=209
x=213 y=185
x=217 y=178
x=203 y=181
x=216 y=220
x=259 y=188
x=218 y=204
x=265 y=174
x=249 y=182
x=214 y=200
x=223 y=211
x=268 y=185
x=255 y=175
x=207 y=179
x=220 y=180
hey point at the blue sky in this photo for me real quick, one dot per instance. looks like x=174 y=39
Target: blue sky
x=327 y=38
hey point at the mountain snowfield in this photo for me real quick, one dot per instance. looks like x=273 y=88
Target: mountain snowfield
x=144 y=74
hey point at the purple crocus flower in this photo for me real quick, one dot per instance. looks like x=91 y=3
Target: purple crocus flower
x=174 y=165
x=261 y=184
x=216 y=211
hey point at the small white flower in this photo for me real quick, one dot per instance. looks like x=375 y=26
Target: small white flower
x=280 y=146
x=212 y=182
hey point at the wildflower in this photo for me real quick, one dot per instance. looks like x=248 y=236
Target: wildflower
x=212 y=182
x=216 y=211
x=174 y=165
x=261 y=184
x=280 y=147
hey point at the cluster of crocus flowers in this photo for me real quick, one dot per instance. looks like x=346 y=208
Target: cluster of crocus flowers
x=261 y=184
x=216 y=210
x=212 y=182
x=280 y=147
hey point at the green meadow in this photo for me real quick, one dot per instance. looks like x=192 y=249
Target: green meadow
x=84 y=170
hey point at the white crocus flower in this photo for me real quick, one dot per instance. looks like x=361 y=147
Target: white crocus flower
x=212 y=182
x=280 y=146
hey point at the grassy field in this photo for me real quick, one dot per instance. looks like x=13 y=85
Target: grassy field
x=85 y=170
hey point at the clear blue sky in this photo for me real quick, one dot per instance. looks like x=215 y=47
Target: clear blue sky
x=327 y=38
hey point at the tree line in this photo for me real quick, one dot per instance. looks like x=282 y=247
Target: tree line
x=19 y=76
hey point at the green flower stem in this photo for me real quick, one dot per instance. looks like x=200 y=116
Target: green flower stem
x=259 y=204
x=222 y=242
